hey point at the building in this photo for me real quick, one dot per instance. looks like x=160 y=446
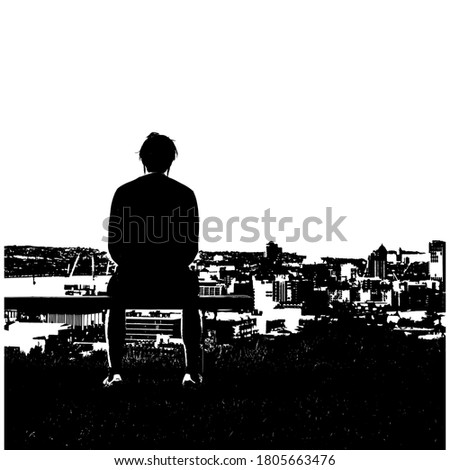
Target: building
x=27 y=335
x=148 y=326
x=392 y=256
x=340 y=295
x=421 y=295
x=290 y=291
x=280 y=290
x=235 y=327
x=244 y=287
x=10 y=316
x=80 y=320
x=437 y=262
x=273 y=251
x=377 y=263
x=408 y=257
x=375 y=289
x=208 y=288
x=348 y=272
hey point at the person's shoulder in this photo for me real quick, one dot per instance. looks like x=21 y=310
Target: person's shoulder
x=121 y=190
x=157 y=181
x=133 y=184
x=126 y=190
x=180 y=186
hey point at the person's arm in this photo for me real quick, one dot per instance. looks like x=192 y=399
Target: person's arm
x=190 y=247
x=115 y=229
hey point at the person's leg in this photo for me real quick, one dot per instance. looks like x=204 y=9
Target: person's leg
x=191 y=327
x=115 y=338
x=191 y=330
x=115 y=330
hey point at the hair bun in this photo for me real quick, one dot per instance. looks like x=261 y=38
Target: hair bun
x=152 y=134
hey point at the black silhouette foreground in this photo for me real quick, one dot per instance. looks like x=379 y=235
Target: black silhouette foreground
x=330 y=386
x=153 y=238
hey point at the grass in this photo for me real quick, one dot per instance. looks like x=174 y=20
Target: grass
x=328 y=387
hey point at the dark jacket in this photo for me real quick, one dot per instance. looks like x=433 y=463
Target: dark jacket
x=153 y=233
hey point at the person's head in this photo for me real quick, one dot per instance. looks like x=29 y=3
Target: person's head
x=157 y=153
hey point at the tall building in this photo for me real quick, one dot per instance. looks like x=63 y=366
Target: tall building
x=293 y=292
x=377 y=263
x=280 y=290
x=272 y=251
x=437 y=262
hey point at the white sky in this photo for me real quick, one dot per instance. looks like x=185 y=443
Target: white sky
x=288 y=105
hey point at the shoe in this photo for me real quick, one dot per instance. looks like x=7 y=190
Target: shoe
x=192 y=381
x=112 y=380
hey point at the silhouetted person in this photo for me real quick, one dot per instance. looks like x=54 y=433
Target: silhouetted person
x=153 y=238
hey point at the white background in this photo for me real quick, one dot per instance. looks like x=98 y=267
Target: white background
x=288 y=105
